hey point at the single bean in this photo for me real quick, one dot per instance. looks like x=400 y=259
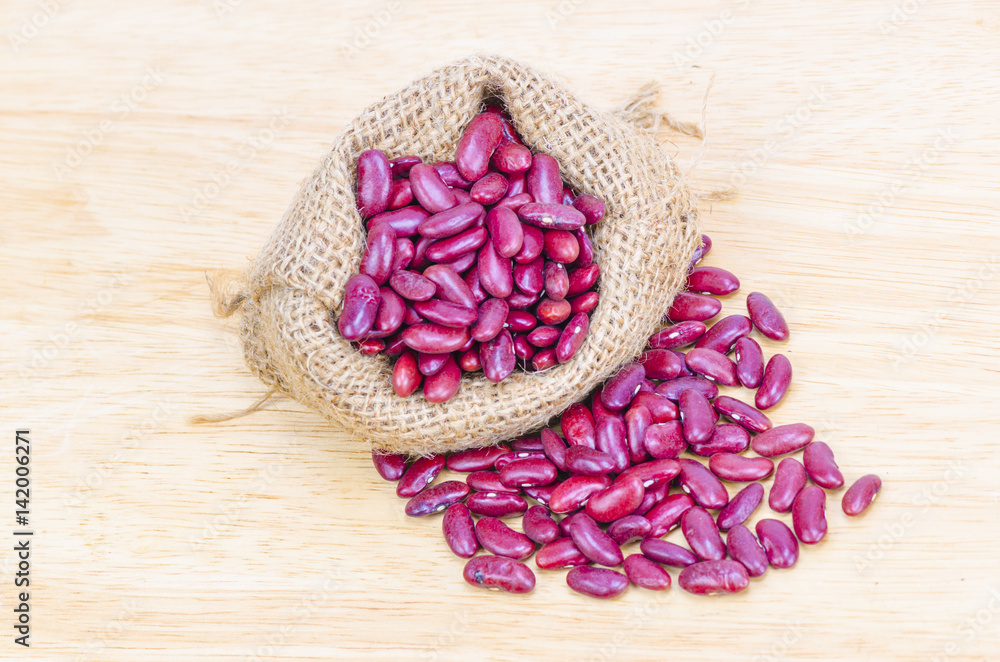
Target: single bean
x=528 y=472
x=475 y=459
x=597 y=582
x=740 y=469
x=429 y=189
x=374 y=183
x=727 y=438
x=712 y=280
x=371 y=346
x=573 y=335
x=488 y=481
x=702 y=535
x=522 y=348
x=544 y=359
x=444 y=384
x=782 y=439
x=475 y=148
x=749 y=417
x=411 y=285
x=741 y=506
x=450 y=286
x=452 y=221
x=497 y=537
x=821 y=466
x=532 y=245
x=445 y=313
x=724 y=333
x=556 y=281
x=673 y=388
x=390 y=466
x=809 y=514
x=394 y=345
x=434 y=338
x=419 y=260
x=714 y=578
x=404 y=221
x=360 y=308
x=391 y=311
x=860 y=495
x=469 y=361
x=660 y=364
x=651 y=473
x=712 y=364
x=749 y=362
x=561 y=553
x=595 y=544
x=436 y=499
x=497 y=357
x=403 y=254
x=400 y=195
x=586 y=461
x=490 y=319
x=528 y=443
x=554 y=448
x=489 y=189
x=696 y=307
x=779 y=543
x=495 y=272
x=591 y=207
x=520 y=301
x=553 y=312
x=400 y=166
x=577 y=425
x=645 y=574
x=665 y=440
x=406 y=378
x=544 y=181
x=431 y=364
x=541 y=493
x=496 y=504
x=539 y=526
x=561 y=246
x=662 y=410
x=460 y=531
x=506 y=231
x=530 y=276
x=629 y=529
x=668 y=553
x=573 y=492
x=457 y=247
x=677 y=335
x=461 y=263
x=511 y=158
x=637 y=420
x=544 y=336
x=421 y=473
x=667 y=514
x=499 y=573
x=586 y=255
x=766 y=316
x=774 y=385
x=582 y=279
x=520 y=321
x=697 y=416
x=514 y=202
x=451 y=176
x=551 y=216
x=707 y=490
x=789 y=479
x=616 y=501
x=379 y=253
x=611 y=439
x=516 y=185
x=621 y=388
x=743 y=548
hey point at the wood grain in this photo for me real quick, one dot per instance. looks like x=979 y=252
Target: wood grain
x=144 y=146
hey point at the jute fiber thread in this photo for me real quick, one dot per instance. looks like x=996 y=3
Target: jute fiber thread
x=643 y=246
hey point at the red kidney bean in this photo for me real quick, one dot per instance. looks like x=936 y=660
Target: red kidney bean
x=430 y=364
x=550 y=216
x=507 y=458
x=702 y=535
x=677 y=335
x=429 y=189
x=419 y=260
x=496 y=504
x=616 y=501
x=360 y=308
x=544 y=359
x=637 y=419
x=629 y=529
x=511 y=158
x=573 y=492
x=749 y=417
x=673 y=388
x=522 y=348
x=554 y=448
x=789 y=479
x=741 y=506
x=749 y=362
x=586 y=461
x=782 y=439
x=541 y=493
x=400 y=194
x=660 y=364
x=506 y=231
x=400 y=166
x=821 y=466
x=462 y=197
x=419 y=475
x=451 y=222
x=379 y=253
x=727 y=438
x=519 y=321
x=861 y=494
x=809 y=514
x=611 y=439
x=544 y=336
x=406 y=378
x=374 y=183
x=491 y=317
x=489 y=189
x=766 y=316
x=495 y=272
x=592 y=208
x=469 y=361
x=404 y=221
x=714 y=578
x=621 y=388
x=667 y=553
x=573 y=335
x=645 y=574
x=410 y=315
x=696 y=307
x=712 y=364
x=561 y=553
x=532 y=245
x=475 y=148
x=488 y=481
x=390 y=466
x=471 y=279
x=436 y=499
x=539 y=526
x=514 y=202
x=662 y=410
x=475 y=459
x=696 y=415
x=371 y=346
x=497 y=537
x=774 y=385
x=712 y=280
x=461 y=263
x=779 y=543
x=582 y=279
x=520 y=301
x=497 y=356
x=556 y=281
x=553 y=312
x=403 y=254
x=516 y=185
x=444 y=384
x=586 y=255
x=740 y=469
x=390 y=315
x=434 y=338
x=665 y=441
x=445 y=313
x=411 y=285
x=499 y=573
x=460 y=531
x=577 y=425
x=451 y=176
x=450 y=286
x=528 y=472
x=654 y=495
x=702 y=250
x=743 y=548
x=394 y=345
x=454 y=248
x=706 y=490
x=652 y=473
x=544 y=181
x=667 y=514
x=597 y=582
x=561 y=246
x=724 y=333
x=595 y=544
x=528 y=443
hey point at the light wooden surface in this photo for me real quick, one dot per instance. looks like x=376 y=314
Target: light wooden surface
x=144 y=145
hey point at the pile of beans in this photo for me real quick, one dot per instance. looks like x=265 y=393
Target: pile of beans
x=605 y=482
x=471 y=265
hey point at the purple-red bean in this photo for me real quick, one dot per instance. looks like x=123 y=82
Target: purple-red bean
x=860 y=495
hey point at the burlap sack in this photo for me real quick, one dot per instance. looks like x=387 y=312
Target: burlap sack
x=643 y=246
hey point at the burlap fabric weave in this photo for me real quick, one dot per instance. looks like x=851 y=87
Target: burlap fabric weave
x=643 y=246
